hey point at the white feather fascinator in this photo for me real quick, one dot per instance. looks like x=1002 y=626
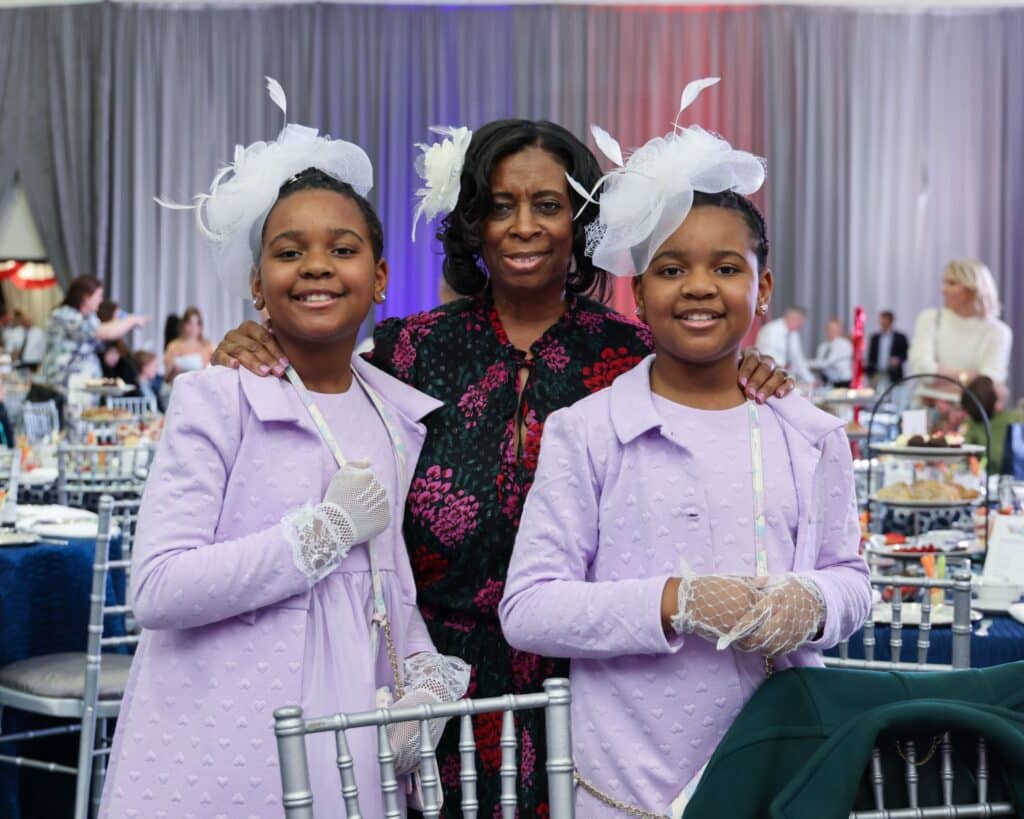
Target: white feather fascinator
x=440 y=167
x=647 y=197
x=242 y=194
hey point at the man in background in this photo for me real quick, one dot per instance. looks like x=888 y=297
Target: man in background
x=780 y=339
x=834 y=358
x=887 y=352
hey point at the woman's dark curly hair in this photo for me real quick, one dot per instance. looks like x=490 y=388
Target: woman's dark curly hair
x=461 y=231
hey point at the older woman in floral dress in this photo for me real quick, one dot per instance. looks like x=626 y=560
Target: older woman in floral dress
x=525 y=341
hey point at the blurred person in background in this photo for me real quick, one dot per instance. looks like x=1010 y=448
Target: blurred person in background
x=74 y=337
x=781 y=340
x=834 y=358
x=191 y=350
x=148 y=384
x=172 y=327
x=994 y=398
x=887 y=352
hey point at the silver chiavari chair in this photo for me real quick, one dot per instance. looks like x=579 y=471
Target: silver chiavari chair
x=960 y=583
x=86 y=471
x=977 y=804
x=139 y=406
x=40 y=420
x=86 y=687
x=291 y=730
x=942 y=744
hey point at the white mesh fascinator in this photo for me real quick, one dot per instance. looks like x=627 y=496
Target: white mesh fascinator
x=232 y=214
x=648 y=196
x=440 y=168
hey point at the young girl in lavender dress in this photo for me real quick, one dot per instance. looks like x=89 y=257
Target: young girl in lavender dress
x=656 y=549
x=252 y=574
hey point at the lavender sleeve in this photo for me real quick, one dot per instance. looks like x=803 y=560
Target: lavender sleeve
x=549 y=605
x=182 y=576
x=839 y=571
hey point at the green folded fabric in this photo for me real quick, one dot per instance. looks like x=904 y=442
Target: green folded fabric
x=801 y=745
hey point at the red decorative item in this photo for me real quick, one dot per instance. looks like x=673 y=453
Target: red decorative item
x=28 y=275
x=858 y=348
x=10 y=268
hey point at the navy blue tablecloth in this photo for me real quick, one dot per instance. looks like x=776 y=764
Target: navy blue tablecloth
x=1004 y=643
x=44 y=609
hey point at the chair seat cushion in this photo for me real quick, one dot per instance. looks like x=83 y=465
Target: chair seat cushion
x=62 y=676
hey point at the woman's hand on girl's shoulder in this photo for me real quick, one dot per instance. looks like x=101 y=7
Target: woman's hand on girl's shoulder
x=252 y=346
x=761 y=379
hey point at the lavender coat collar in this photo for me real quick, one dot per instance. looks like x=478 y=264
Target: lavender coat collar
x=633 y=412
x=273 y=399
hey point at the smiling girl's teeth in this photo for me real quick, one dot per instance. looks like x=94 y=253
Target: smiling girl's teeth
x=316 y=297
x=698 y=316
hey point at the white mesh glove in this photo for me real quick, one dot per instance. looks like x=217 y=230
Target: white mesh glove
x=354 y=510
x=790 y=612
x=710 y=606
x=429 y=679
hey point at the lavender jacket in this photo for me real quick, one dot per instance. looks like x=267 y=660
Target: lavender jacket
x=223 y=606
x=602 y=531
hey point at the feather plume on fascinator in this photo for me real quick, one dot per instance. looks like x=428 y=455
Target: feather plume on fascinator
x=646 y=197
x=242 y=194
x=440 y=167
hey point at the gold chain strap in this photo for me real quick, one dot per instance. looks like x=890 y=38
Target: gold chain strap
x=936 y=741
x=392 y=658
x=611 y=801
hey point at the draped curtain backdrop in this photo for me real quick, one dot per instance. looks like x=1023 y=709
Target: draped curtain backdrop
x=893 y=138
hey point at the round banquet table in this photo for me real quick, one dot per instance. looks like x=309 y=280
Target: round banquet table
x=44 y=609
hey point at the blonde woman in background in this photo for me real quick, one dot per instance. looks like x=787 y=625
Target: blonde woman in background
x=190 y=350
x=964 y=338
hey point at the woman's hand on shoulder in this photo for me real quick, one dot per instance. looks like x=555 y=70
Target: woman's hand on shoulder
x=252 y=346
x=761 y=379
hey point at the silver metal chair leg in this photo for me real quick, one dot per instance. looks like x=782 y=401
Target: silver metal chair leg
x=99 y=769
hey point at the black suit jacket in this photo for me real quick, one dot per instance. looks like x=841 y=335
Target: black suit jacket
x=900 y=346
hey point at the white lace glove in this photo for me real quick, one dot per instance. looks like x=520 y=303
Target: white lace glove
x=429 y=679
x=790 y=612
x=710 y=606
x=354 y=510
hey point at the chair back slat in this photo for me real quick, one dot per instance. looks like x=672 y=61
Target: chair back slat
x=388 y=778
x=946 y=750
x=430 y=782
x=291 y=730
x=877 y=779
x=467 y=772
x=346 y=769
x=924 y=629
x=982 y=770
x=508 y=771
x=910 y=771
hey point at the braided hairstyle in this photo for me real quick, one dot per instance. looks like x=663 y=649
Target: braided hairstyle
x=748 y=210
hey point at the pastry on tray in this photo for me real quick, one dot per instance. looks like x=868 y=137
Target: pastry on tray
x=936 y=440
x=927 y=491
x=98 y=383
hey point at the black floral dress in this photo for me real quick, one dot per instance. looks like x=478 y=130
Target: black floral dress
x=467 y=494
